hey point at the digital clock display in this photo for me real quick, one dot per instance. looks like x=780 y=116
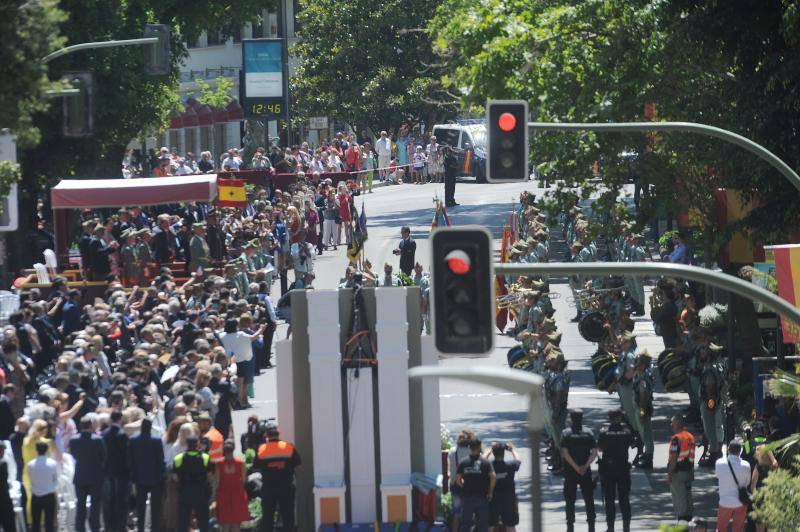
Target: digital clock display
x=264 y=109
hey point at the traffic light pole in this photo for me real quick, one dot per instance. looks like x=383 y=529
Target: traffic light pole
x=717 y=279
x=100 y=44
x=521 y=382
x=703 y=129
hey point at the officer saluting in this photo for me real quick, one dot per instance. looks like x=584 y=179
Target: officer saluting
x=194 y=470
x=276 y=460
x=615 y=471
x=578 y=450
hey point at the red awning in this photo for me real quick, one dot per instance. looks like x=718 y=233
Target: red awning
x=190 y=118
x=220 y=115
x=205 y=116
x=235 y=111
x=100 y=193
x=176 y=122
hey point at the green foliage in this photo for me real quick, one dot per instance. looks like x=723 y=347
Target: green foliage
x=604 y=60
x=218 y=96
x=445 y=509
x=30 y=31
x=673 y=528
x=368 y=64
x=777 y=502
x=786 y=385
x=9 y=174
x=445 y=438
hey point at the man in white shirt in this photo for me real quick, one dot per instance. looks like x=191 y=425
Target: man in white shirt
x=383 y=146
x=43 y=474
x=732 y=473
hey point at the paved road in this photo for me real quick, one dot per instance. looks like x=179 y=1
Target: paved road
x=493 y=414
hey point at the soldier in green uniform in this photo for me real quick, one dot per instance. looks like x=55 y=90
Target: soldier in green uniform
x=127 y=256
x=423 y=280
x=635 y=283
x=624 y=377
x=643 y=394
x=556 y=387
x=199 y=251
x=144 y=257
x=712 y=407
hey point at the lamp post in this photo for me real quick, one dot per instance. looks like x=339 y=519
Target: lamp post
x=521 y=382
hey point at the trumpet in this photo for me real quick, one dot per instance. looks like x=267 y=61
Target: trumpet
x=517 y=298
x=591 y=299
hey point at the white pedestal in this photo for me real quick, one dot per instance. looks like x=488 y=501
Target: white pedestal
x=326 y=388
x=361 y=438
x=328 y=506
x=431 y=420
x=284 y=366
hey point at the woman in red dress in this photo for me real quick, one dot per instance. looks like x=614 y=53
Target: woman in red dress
x=345 y=200
x=231 y=500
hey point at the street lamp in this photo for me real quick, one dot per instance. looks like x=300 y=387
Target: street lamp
x=516 y=381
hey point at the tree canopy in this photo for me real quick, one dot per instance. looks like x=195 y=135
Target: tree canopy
x=609 y=60
x=368 y=64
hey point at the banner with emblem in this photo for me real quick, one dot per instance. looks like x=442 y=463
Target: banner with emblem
x=231 y=193
x=787 y=271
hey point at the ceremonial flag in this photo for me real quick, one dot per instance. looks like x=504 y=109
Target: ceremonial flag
x=501 y=314
x=440 y=218
x=231 y=193
x=358 y=235
x=787 y=270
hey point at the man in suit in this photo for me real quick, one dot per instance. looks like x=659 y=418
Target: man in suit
x=89 y=453
x=115 y=507
x=99 y=252
x=7 y=417
x=146 y=464
x=164 y=243
x=406 y=250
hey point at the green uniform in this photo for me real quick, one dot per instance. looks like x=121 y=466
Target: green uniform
x=127 y=256
x=711 y=390
x=199 y=253
x=643 y=394
x=556 y=386
x=625 y=389
x=636 y=283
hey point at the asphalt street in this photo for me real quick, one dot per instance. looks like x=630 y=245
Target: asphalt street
x=494 y=414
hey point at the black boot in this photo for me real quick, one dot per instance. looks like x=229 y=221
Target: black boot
x=626 y=526
x=570 y=527
x=591 y=526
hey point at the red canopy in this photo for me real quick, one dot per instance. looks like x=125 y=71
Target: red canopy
x=98 y=193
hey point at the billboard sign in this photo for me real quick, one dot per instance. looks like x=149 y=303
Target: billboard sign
x=264 y=80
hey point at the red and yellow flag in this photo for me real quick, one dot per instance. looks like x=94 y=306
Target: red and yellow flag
x=787 y=271
x=231 y=193
x=501 y=314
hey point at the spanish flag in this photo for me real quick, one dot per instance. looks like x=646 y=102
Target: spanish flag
x=231 y=193
x=787 y=271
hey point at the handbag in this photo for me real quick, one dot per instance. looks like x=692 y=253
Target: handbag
x=744 y=493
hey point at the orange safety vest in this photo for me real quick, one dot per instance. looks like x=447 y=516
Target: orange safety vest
x=686 y=445
x=276 y=453
x=216 y=440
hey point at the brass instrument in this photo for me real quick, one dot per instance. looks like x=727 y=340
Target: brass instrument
x=591 y=299
x=657 y=300
x=516 y=298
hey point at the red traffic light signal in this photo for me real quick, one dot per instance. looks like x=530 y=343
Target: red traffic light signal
x=507 y=121
x=458 y=262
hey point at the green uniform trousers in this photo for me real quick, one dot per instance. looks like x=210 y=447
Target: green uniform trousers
x=713 y=426
x=646 y=433
x=681 y=490
x=629 y=406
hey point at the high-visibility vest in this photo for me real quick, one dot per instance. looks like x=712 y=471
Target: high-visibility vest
x=216 y=440
x=686 y=446
x=276 y=453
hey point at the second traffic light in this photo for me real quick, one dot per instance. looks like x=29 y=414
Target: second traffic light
x=157 y=57
x=462 y=292
x=507 y=153
x=78 y=109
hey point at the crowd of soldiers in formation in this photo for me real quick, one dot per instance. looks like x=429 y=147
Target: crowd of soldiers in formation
x=690 y=362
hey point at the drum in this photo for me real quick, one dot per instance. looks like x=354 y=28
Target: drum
x=592 y=327
x=672 y=369
x=603 y=366
x=515 y=354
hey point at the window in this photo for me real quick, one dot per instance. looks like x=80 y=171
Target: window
x=220 y=139
x=205 y=141
x=174 y=140
x=191 y=145
x=295 y=11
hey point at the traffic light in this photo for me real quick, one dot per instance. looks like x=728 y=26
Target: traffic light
x=462 y=290
x=507 y=153
x=78 y=109
x=158 y=56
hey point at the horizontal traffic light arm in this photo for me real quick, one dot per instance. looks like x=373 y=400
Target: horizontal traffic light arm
x=703 y=129
x=100 y=44
x=720 y=280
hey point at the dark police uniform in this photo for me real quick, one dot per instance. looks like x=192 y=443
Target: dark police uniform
x=580 y=445
x=277 y=460
x=476 y=472
x=503 y=506
x=615 y=471
x=194 y=488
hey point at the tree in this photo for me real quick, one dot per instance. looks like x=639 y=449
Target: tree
x=605 y=60
x=777 y=502
x=127 y=102
x=368 y=64
x=216 y=97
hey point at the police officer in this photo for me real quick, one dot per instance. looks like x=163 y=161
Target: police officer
x=475 y=476
x=615 y=471
x=578 y=450
x=643 y=395
x=276 y=460
x=503 y=506
x=193 y=470
x=712 y=409
x=680 y=469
